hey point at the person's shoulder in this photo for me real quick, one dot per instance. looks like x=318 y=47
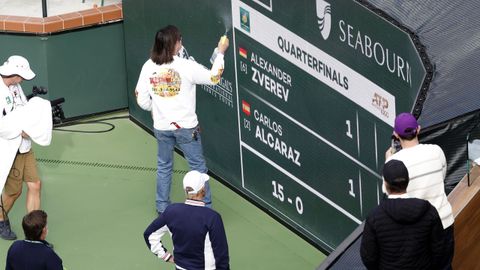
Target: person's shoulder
x=377 y=210
x=184 y=66
x=375 y=215
x=435 y=151
x=174 y=207
x=425 y=208
x=206 y=211
x=409 y=202
x=51 y=257
x=149 y=64
x=214 y=214
x=47 y=249
x=429 y=146
x=21 y=245
x=418 y=152
x=186 y=63
x=51 y=252
x=432 y=212
x=181 y=60
x=417 y=203
x=16 y=245
x=177 y=204
x=14 y=250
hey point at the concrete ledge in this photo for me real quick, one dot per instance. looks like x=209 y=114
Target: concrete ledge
x=64 y=22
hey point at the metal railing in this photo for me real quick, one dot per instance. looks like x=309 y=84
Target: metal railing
x=473 y=148
x=45 y=8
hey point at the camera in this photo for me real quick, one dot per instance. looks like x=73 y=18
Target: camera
x=57 y=112
x=396 y=146
x=37 y=90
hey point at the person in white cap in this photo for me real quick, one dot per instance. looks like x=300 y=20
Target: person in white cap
x=13 y=72
x=198 y=235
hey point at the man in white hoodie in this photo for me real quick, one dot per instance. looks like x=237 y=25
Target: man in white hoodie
x=24 y=168
x=427 y=167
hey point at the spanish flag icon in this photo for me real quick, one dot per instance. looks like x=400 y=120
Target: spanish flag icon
x=246 y=107
x=242 y=52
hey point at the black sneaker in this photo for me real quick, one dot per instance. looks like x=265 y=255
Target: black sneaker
x=6 y=231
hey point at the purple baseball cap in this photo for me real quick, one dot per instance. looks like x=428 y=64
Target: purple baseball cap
x=405 y=124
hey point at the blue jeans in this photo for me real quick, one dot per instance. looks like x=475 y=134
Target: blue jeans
x=189 y=141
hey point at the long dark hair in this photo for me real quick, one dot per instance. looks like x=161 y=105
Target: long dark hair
x=164 y=47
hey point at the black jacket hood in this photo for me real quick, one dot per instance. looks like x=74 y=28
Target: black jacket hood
x=405 y=211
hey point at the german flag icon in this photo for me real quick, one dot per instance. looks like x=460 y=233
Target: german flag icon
x=242 y=52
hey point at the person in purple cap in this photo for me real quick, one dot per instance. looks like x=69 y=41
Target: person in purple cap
x=427 y=167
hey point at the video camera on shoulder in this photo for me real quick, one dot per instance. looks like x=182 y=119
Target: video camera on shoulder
x=57 y=111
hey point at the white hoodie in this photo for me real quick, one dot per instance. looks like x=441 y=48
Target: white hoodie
x=168 y=90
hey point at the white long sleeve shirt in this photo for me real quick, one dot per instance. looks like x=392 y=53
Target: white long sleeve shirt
x=12 y=98
x=169 y=91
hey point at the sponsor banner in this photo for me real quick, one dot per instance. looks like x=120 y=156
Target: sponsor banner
x=324 y=18
x=314 y=61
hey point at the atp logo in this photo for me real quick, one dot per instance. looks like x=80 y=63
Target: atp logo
x=324 y=18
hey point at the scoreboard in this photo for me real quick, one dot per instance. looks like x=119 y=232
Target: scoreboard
x=304 y=114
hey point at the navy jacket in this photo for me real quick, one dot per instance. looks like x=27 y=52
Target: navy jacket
x=32 y=255
x=198 y=236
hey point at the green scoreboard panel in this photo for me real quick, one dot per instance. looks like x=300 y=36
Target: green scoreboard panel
x=318 y=87
x=304 y=112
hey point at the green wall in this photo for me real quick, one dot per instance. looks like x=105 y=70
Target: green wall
x=141 y=22
x=86 y=67
x=301 y=120
x=31 y=47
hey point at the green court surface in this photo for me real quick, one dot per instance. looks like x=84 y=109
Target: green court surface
x=99 y=192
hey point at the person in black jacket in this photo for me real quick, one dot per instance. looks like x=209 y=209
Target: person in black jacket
x=402 y=232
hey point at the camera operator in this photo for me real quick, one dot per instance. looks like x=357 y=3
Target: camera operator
x=24 y=168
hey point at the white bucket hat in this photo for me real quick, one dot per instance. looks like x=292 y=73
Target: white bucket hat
x=17 y=65
x=195 y=180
